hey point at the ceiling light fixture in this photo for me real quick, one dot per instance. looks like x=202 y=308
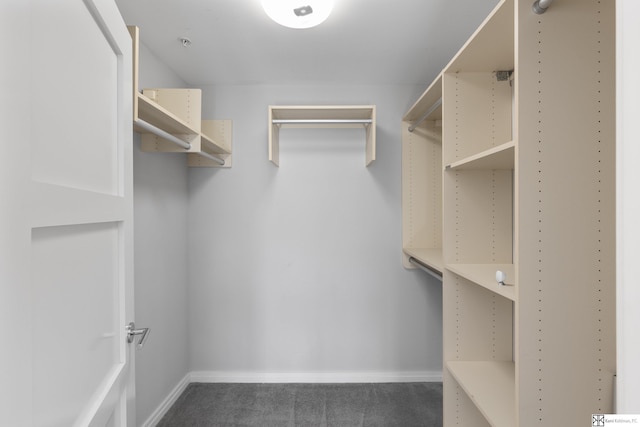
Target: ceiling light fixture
x=298 y=13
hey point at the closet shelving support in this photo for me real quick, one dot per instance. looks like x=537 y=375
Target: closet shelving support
x=422 y=180
x=170 y=121
x=517 y=175
x=322 y=116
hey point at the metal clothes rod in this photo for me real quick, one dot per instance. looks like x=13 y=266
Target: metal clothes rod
x=321 y=121
x=162 y=134
x=541 y=6
x=427 y=269
x=433 y=108
x=218 y=160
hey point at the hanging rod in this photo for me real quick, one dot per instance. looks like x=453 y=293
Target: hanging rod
x=425 y=115
x=171 y=138
x=541 y=6
x=218 y=160
x=162 y=134
x=320 y=121
x=427 y=269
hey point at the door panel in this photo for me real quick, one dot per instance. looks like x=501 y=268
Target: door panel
x=75 y=317
x=79 y=214
x=75 y=78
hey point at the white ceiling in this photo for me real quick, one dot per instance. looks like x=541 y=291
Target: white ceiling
x=362 y=42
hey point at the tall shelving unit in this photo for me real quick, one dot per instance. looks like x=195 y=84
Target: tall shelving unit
x=527 y=169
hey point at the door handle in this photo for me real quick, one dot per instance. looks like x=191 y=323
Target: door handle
x=132 y=332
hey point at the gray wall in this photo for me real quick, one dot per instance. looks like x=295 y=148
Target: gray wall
x=160 y=211
x=298 y=269
x=258 y=269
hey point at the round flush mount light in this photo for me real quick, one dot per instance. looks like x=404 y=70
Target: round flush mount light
x=298 y=13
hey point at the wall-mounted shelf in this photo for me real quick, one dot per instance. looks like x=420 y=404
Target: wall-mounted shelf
x=322 y=116
x=169 y=120
x=152 y=112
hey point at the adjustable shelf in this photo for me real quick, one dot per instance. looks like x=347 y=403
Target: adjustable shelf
x=170 y=121
x=485 y=275
x=323 y=116
x=499 y=157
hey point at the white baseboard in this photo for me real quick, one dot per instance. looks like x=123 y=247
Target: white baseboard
x=166 y=404
x=315 y=377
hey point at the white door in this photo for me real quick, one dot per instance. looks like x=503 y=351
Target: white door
x=76 y=220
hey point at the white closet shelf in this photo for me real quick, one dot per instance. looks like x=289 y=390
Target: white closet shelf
x=499 y=157
x=430 y=256
x=322 y=116
x=177 y=112
x=173 y=121
x=491 y=386
x=153 y=113
x=485 y=275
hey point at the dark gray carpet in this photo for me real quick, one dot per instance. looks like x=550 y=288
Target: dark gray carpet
x=318 y=405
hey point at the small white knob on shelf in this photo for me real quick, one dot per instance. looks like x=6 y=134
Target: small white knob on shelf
x=501 y=277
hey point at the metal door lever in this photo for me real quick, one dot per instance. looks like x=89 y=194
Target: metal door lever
x=132 y=332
